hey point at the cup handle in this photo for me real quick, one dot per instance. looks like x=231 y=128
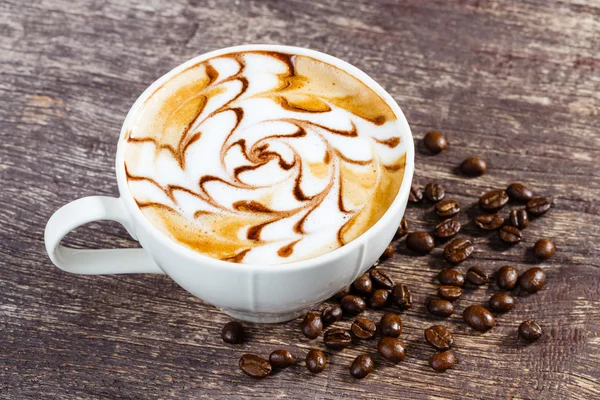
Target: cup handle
x=91 y=262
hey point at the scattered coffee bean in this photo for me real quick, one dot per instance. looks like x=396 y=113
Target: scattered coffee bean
x=435 y=142
x=530 y=331
x=518 y=218
x=439 y=337
x=415 y=195
x=381 y=279
x=473 y=166
x=458 y=250
x=493 y=200
x=379 y=299
x=507 y=277
x=450 y=293
x=342 y=293
x=489 y=222
x=232 y=333
x=353 y=305
x=402 y=228
x=477 y=276
x=502 y=302
x=388 y=252
x=519 y=192
x=312 y=326
x=440 y=308
x=539 y=206
x=434 y=192
x=532 y=280
x=390 y=325
x=337 y=338
x=316 y=361
x=392 y=349
x=401 y=296
x=447 y=208
x=442 y=361
x=362 y=366
x=281 y=359
x=510 y=234
x=451 y=277
x=363 y=328
x=447 y=228
x=331 y=315
x=479 y=318
x=255 y=366
x=420 y=242
x=544 y=249
x=363 y=284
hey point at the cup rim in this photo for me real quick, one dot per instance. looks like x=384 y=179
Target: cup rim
x=143 y=223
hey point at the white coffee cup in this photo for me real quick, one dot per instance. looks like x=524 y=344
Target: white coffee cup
x=257 y=293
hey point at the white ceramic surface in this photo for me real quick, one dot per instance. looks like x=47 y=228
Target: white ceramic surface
x=258 y=293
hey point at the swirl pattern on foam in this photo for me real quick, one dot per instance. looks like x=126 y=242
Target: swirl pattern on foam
x=264 y=158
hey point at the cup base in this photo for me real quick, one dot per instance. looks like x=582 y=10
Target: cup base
x=265 y=318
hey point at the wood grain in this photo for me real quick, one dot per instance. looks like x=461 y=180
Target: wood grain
x=516 y=82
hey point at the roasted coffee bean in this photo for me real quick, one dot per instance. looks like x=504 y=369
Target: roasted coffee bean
x=442 y=361
x=473 y=166
x=451 y=277
x=518 y=218
x=477 y=276
x=544 y=249
x=519 y=192
x=401 y=296
x=450 y=293
x=337 y=338
x=381 y=279
x=316 y=361
x=539 y=206
x=402 y=228
x=390 y=325
x=493 y=201
x=363 y=284
x=392 y=349
x=415 y=195
x=435 y=142
x=379 y=299
x=363 y=328
x=532 y=280
x=440 y=308
x=447 y=228
x=312 y=326
x=420 y=242
x=255 y=366
x=510 y=234
x=232 y=332
x=389 y=251
x=489 y=222
x=447 y=208
x=479 y=318
x=434 y=192
x=530 y=331
x=281 y=359
x=353 y=305
x=502 y=302
x=342 y=293
x=458 y=250
x=331 y=315
x=439 y=337
x=507 y=277
x=362 y=366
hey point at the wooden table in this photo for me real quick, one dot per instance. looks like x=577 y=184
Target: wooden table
x=516 y=82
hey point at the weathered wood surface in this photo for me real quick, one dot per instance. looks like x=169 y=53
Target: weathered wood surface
x=517 y=82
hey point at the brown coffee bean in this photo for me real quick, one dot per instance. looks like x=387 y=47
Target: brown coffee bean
x=379 y=299
x=440 y=308
x=391 y=349
x=447 y=208
x=489 y=222
x=331 y=315
x=420 y=242
x=312 y=326
x=390 y=325
x=544 y=249
x=389 y=252
x=316 y=361
x=381 y=279
x=448 y=228
x=402 y=229
x=434 y=192
x=342 y=293
x=415 y=195
x=451 y=277
x=255 y=366
x=532 y=280
x=401 y=296
x=477 y=276
x=518 y=218
x=530 y=331
x=519 y=192
x=435 y=142
x=458 y=250
x=232 y=333
x=510 y=234
x=539 y=206
x=362 y=366
x=363 y=328
x=363 y=284
x=493 y=201
x=450 y=293
x=507 y=277
x=502 y=302
x=353 y=305
x=439 y=337
x=442 y=361
x=337 y=338
x=473 y=166
x=281 y=359
x=479 y=318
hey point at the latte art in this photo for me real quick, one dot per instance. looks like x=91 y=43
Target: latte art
x=263 y=157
